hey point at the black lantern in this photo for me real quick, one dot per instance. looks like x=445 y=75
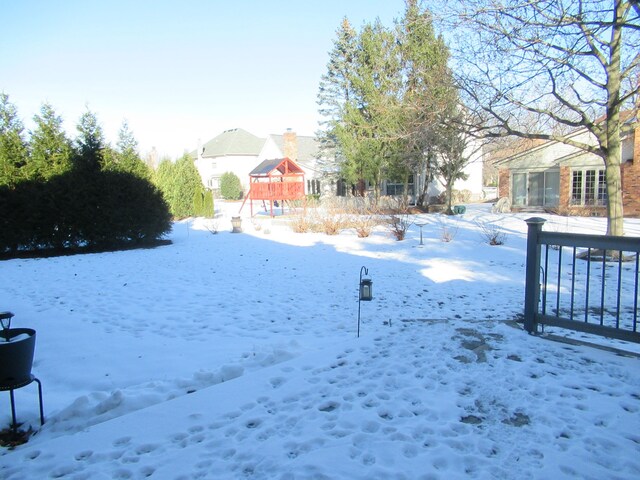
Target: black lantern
x=366 y=293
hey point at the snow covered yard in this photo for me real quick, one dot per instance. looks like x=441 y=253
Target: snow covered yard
x=235 y=356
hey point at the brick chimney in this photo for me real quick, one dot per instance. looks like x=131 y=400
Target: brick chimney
x=290 y=145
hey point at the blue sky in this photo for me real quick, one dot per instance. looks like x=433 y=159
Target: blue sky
x=178 y=71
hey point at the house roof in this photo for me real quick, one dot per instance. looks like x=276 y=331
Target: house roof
x=307 y=146
x=233 y=142
x=282 y=165
x=526 y=147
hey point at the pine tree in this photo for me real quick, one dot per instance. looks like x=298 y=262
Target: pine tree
x=50 y=149
x=367 y=129
x=334 y=92
x=383 y=91
x=187 y=182
x=164 y=179
x=125 y=157
x=179 y=183
x=90 y=143
x=429 y=98
x=208 y=205
x=13 y=148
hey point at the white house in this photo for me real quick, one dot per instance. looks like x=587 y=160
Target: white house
x=239 y=152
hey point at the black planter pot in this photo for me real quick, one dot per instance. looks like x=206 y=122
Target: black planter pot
x=17 y=346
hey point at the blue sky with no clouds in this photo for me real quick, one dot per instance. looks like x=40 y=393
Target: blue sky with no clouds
x=178 y=71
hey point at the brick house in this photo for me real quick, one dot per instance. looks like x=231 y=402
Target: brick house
x=558 y=177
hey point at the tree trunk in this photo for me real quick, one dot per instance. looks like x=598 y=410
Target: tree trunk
x=449 y=190
x=615 y=219
x=613 y=151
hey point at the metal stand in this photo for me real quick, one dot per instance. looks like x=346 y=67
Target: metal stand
x=10 y=383
x=11 y=388
x=421 y=225
x=364 y=293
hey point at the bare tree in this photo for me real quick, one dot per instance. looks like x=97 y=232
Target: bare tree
x=569 y=64
x=456 y=150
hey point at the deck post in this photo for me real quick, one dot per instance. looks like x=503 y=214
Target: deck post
x=532 y=274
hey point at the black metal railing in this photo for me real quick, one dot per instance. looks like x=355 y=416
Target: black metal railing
x=587 y=283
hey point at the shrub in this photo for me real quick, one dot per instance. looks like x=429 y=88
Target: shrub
x=301 y=224
x=363 y=224
x=331 y=224
x=398 y=225
x=82 y=209
x=398 y=221
x=447 y=231
x=493 y=233
x=230 y=186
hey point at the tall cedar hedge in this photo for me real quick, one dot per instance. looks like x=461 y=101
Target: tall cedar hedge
x=82 y=209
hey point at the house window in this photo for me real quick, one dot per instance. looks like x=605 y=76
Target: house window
x=519 y=189
x=395 y=188
x=551 y=189
x=602 y=188
x=313 y=187
x=576 y=187
x=588 y=187
x=536 y=189
x=213 y=183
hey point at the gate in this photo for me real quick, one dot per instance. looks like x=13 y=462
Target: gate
x=587 y=283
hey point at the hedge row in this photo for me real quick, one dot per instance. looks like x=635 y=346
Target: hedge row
x=82 y=209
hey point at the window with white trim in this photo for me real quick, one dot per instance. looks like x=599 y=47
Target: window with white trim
x=213 y=183
x=588 y=187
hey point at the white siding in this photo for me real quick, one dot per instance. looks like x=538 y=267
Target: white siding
x=215 y=167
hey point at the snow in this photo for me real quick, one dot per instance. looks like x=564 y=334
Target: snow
x=236 y=356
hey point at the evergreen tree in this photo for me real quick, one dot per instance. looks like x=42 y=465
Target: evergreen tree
x=50 y=149
x=164 y=179
x=187 y=182
x=366 y=130
x=333 y=94
x=384 y=90
x=125 y=157
x=430 y=97
x=208 y=205
x=179 y=183
x=13 y=148
x=89 y=143
x=230 y=186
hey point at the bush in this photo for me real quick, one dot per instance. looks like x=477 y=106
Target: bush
x=301 y=224
x=492 y=233
x=398 y=225
x=82 y=210
x=331 y=224
x=230 y=186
